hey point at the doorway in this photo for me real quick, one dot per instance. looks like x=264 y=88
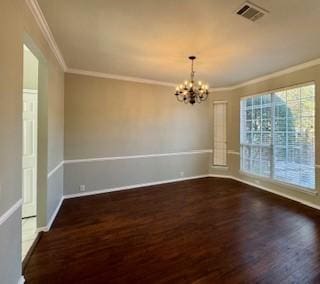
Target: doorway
x=29 y=149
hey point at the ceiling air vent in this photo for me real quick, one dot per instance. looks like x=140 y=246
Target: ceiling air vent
x=251 y=11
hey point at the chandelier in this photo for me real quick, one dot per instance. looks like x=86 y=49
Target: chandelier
x=189 y=91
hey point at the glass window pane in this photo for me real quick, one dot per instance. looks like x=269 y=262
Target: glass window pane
x=279 y=97
x=280 y=138
x=257 y=100
x=266 y=99
x=249 y=125
x=285 y=120
x=249 y=114
x=266 y=138
x=256 y=138
x=266 y=113
x=293 y=94
x=257 y=113
x=266 y=125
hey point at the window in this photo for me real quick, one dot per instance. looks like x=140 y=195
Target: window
x=277 y=135
x=220 y=133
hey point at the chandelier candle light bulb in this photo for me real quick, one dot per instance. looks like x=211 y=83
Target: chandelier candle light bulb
x=189 y=92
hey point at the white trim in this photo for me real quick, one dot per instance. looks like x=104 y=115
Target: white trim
x=231 y=152
x=45 y=29
x=291 y=186
x=220 y=102
x=118 y=77
x=21 y=280
x=30 y=91
x=52 y=218
x=54 y=214
x=220 y=176
x=268 y=189
x=137 y=156
x=224 y=168
x=68 y=196
x=55 y=169
x=270 y=76
x=219 y=89
x=278 y=193
x=6 y=215
x=42 y=229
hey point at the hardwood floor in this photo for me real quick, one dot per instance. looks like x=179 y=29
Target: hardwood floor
x=208 y=230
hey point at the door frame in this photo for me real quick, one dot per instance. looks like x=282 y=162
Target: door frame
x=34 y=93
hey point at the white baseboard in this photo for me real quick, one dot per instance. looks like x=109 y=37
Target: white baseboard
x=21 y=280
x=269 y=190
x=53 y=217
x=219 y=176
x=55 y=213
x=130 y=186
x=279 y=193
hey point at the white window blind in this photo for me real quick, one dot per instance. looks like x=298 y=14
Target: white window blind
x=277 y=135
x=220 y=133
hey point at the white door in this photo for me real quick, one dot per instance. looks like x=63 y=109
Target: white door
x=29 y=158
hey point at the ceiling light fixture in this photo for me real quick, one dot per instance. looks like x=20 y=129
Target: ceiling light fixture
x=189 y=91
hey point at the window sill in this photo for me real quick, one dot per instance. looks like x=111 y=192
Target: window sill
x=224 y=168
x=288 y=186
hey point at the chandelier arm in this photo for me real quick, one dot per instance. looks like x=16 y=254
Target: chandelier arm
x=180 y=98
x=205 y=96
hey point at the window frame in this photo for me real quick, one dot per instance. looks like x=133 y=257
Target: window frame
x=226 y=130
x=271 y=177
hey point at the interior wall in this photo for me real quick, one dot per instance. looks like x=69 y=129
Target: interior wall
x=30 y=70
x=15 y=23
x=107 y=118
x=233 y=97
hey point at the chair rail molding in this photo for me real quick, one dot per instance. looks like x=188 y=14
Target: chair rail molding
x=6 y=215
x=142 y=156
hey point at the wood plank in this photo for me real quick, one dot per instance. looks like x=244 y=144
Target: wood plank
x=208 y=230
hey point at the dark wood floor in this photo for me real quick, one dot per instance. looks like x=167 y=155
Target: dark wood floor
x=201 y=231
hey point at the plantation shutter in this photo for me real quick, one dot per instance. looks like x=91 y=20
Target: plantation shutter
x=220 y=134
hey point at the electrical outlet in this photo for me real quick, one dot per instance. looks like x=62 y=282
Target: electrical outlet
x=182 y=174
x=82 y=187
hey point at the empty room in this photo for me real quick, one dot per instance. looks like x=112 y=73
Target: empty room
x=159 y=141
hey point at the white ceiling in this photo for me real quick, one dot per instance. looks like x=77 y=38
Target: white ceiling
x=152 y=39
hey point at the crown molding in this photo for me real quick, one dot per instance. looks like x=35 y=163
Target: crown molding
x=44 y=27
x=220 y=89
x=270 y=76
x=118 y=77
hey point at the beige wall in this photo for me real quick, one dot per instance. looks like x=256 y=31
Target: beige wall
x=17 y=26
x=107 y=118
x=233 y=97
